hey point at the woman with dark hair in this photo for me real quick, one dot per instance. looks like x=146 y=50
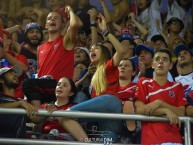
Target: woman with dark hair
x=65 y=93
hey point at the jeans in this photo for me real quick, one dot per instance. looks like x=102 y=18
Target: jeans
x=104 y=104
x=80 y=97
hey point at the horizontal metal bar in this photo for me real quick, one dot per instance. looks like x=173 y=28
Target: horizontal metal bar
x=43 y=142
x=82 y=114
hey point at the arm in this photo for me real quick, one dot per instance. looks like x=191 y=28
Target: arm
x=118 y=56
x=139 y=107
x=38 y=119
x=41 y=16
x=108 y=16
x=89 y=73
x=174 y=119
x=120 y=11
x=106 y=11
x=151 y=107
x=180 y=111
x=162 y=31
x=13 y=29
x=72 y=30
x=93 y=16
x=189 y=110
x=14 y=61
x=17 y=104
x=117 y=27
x=140 y=27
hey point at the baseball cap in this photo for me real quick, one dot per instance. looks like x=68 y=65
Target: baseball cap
x=139 y=48
x=31 y=26
x=180 y=48
x=15 y=68
x=157 y=37
x=84 y=49
x=175 y=19
x=125 y=37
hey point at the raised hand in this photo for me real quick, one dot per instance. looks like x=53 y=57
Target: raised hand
x=132 y=16
x=101 y=22
x=67 y=10
x=93 y=14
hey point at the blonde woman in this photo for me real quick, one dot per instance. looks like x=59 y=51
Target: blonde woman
x=104 y=86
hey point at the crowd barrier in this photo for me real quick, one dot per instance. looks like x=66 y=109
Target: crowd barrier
x=80 y=114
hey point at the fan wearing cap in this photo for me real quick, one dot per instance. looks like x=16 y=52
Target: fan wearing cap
x=8 y=58
x=174 y=26
x=127 y=42
x=185 y=63
x=145 y=55
x=32 y=39
x=159 y=42
x=81 y=61
x=81 y=55
x=13 y=125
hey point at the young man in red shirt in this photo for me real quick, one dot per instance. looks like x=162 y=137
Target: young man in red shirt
x=55 y=58
x=160 y=97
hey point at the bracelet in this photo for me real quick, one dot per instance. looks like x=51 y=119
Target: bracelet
x=93 y=24
x=106 y=32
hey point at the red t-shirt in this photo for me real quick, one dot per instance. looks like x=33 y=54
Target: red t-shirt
x=55 y=60
x=127 y=93
x=172 y=92
x=53 y=123
x=112 y=76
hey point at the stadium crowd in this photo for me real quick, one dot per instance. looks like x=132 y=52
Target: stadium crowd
x=68 y=55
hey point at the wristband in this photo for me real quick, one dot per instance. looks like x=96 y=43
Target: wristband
x=93 y=24
x=106 y=32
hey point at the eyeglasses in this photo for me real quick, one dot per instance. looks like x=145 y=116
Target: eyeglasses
x=175 y=23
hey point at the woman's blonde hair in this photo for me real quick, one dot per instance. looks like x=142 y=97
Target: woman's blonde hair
x=99 y=81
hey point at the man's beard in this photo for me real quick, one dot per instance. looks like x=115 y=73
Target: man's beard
x=28 y=41
x=10 y=84
x=183 y=64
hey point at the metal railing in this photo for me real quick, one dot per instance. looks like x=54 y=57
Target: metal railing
x=80 y=114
